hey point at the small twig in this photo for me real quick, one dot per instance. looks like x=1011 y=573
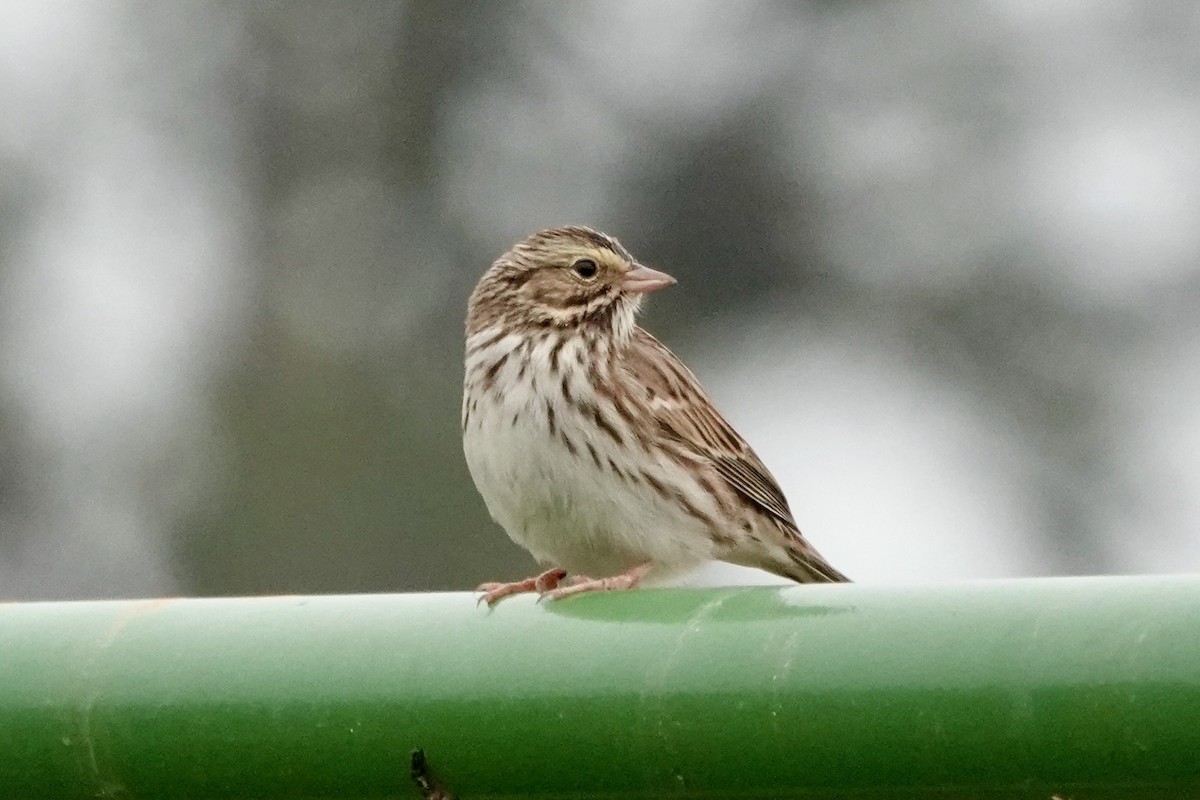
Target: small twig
x=430 y=789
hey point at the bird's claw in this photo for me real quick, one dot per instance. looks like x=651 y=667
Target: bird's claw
x=542 y=584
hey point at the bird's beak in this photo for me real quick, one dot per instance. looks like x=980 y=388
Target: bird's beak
x=642 y=279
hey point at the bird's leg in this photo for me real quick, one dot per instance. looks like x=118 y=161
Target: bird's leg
x=546 y=582
x=626 y=580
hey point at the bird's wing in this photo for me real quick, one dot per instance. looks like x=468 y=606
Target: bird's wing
x=685 y=413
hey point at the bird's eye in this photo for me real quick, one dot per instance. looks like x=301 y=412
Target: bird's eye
x=586 y=269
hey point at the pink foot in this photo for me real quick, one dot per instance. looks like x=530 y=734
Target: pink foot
x=626 y=580
x=542 y=584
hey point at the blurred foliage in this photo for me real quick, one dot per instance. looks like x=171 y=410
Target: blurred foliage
x=344 y=478
x=384 y=152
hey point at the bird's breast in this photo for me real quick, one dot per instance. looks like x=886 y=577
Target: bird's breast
x=560 y=470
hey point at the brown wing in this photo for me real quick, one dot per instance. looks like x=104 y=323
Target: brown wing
x=686 y=413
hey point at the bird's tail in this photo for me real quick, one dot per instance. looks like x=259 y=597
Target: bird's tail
x=805 y=565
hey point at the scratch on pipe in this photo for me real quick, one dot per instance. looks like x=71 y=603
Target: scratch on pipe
x=430 y=789
x=80 y=732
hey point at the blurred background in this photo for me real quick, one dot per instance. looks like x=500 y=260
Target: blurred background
x=938 y=263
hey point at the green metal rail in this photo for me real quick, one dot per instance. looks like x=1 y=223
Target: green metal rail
x=1073 y=688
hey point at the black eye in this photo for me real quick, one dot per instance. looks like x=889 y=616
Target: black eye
x=586 y=269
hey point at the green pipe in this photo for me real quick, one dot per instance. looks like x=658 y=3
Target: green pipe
x=1082 y=689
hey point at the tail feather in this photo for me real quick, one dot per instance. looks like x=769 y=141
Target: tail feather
x=805 y=565
x=788 y=556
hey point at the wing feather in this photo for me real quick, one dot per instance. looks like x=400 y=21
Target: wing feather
x=686 y=414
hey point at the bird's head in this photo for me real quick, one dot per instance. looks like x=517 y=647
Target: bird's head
x=566 y=278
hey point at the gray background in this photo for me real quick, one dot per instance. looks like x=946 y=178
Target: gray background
x=937 y=261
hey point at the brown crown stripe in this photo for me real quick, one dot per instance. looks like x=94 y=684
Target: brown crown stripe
x=599 y=240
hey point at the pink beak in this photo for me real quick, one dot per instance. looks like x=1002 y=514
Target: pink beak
x=643 y=280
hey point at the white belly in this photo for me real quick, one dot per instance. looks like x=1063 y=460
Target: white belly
x=561 y=506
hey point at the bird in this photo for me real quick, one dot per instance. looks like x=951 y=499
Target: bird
x=591 y=443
